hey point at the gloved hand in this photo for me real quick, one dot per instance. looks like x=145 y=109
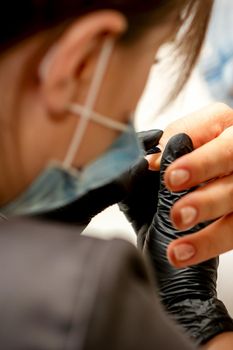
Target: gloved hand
x=140 y=203
x=188 y=294
x=85 y=208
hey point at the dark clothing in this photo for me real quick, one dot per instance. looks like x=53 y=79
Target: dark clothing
x=60 y=290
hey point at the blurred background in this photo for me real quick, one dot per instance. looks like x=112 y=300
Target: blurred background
x=211 y=81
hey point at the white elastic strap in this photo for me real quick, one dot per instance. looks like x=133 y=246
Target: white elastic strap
x=100 y=119
x=90 y=102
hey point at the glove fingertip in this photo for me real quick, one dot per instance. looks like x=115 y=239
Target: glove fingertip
x=150 y=138
x=176 y=147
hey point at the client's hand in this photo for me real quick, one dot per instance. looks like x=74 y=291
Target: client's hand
x=188 y=294
x=211 y=164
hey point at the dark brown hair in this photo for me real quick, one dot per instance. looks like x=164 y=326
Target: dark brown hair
x=21 y=19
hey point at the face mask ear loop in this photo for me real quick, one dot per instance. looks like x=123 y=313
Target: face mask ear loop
x=100 y=119
x=90 y=102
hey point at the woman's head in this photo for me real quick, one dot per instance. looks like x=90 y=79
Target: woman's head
x=48 y=60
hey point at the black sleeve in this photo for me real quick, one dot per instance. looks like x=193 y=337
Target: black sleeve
x=60 y=290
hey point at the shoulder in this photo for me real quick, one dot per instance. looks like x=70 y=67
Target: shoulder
x=50 y=274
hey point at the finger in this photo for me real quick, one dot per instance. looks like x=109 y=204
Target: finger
x=214 y=159
x=202 y=125
x=154 y=161
x=208 y=243
x=209 y=202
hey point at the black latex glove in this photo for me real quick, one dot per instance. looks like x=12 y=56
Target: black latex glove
x=140 y=203
x=85 y=208
x=188 y=294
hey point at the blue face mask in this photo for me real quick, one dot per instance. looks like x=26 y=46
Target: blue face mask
x=61 y=184
x=57 y=186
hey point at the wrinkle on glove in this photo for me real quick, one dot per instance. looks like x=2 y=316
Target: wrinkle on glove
x=189 y=294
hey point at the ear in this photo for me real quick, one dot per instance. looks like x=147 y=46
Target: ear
x=68 y=65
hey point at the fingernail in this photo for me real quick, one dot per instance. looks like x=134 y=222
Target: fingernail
x=178 y=177
x=188 y=215
x=183 y=252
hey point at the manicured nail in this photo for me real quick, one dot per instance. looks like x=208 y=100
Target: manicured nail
x=179 y=177
x=183 y=252
x=188 y=215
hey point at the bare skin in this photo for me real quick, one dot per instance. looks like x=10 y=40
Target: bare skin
x=223 y=341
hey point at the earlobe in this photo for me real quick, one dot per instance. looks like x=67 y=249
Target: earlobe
x=63 y=71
